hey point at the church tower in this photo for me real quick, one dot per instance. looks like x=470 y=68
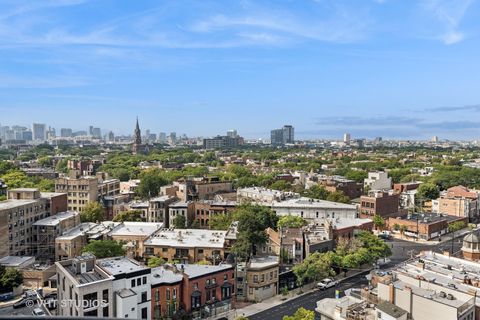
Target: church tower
x=137 y=141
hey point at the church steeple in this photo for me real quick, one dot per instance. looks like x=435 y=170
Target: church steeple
x=137 y=141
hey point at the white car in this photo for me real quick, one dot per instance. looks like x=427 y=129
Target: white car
x=327 y=283
x=38 y=312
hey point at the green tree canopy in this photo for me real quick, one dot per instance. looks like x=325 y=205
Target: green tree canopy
x=104 y=248
x=131 y=215
x=290 y=221
x=92 y=212
x=155 y=262
x=428 y=191
x=301 y=314
x=10 y=278
x=220 y=221
x=180 y=221
x=150 y=183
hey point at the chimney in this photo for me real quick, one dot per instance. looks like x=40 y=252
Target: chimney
x=391 y=295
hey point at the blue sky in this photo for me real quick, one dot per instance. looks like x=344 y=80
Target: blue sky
x=391 y=68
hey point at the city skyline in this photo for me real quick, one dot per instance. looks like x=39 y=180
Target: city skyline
x=402 y=70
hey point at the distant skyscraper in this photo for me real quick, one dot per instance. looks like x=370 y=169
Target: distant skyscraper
x=96 y=133
x=39 y=132
x=27 y=135
x=435 y=139
x=66 y=132
x=232 y=133
x=346 y=137
x=51 y=133
x=173 y=137
x=162 y=137
x=90 y=130
x=111 y=136
x=282 y=136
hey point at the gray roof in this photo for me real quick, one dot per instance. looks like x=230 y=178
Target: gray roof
x=391 y=309
x=472 y=238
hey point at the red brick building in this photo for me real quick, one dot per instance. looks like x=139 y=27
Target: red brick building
x=406 y=186
x=192 y=289
x=384 y=204
x=203 y=210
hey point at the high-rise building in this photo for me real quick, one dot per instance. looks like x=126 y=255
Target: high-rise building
x=51 y=133
x=96 y=133
x=346 y=137
x=162 y=137
x=282 y=136
x=435 y=139
x=39 y=131
x=173 y=138
x=111 y=136
x=90 y=130
x=66 y=132
x=27 y=135
x=232 y=133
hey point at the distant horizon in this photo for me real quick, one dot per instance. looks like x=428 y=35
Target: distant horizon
x=390 y=68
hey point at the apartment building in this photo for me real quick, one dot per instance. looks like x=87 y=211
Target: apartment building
x=84 y=288
x=71 y=242
x=45 y=231
x=131 y=287
x=350 y=188
x=134 y=234
x=182 y=208
x=205 y=209
x=458 y=201
x=377 y=181
x=166 y=288
x=384 y=204
x=186 y=245
x=17 y=215
x=262 y=278
x=82 y=190
x=263 y=195
x=155 y=209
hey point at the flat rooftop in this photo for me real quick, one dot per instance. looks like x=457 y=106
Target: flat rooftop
x=263 y=262
x=10 y=204
x=427 y=218
x=164 y=275
x=342 y=223
x=308 y=203
x=119 y=265
x=16 y=261
x=187 y=238
x=76 y=231
x=56 y=219
x=135 y=229
x=196 y=270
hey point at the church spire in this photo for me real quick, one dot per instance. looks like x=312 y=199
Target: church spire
x=137 y=140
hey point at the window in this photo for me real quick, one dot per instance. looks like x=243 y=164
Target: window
x=214 y=281
x=168 y=294
x=105 y=295
x=195 y=286
x=255 y=279
x=144 y=296
x=139 y=281
x=144 y=280
x=225 y=276
x=174 y=293
x=144 y=313
x=157 y=295
x=207 y=282
x=133 y=283
x=262 y=278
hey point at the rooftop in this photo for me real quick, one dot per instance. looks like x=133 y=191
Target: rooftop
x=135 y=229
x=312 y=203
x=10 y=204
x=165 y=275
x=427 y=218
x=341 y=223
x=56 y=219
x=119 y=265
x=391 y=309
x=16 y=261
x=197 y=270
x=263 y=262
x=187 y=238
x=76 y=231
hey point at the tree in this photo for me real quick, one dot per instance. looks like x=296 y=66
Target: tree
x=180 y=221
x=104 y=248
x=301 y=314
x=155 y=262
x=314 y=267
x=131 y=215
x=428 y=191
x=376 y=247
x=290 y=221
x=92 y=212
x=281 y=185
x=378 y=222
x=11 y=278
x=204 y=263
x=150 y=183
x=221 y=221
x=316 y=192
x=252 y=222
x=396 y=227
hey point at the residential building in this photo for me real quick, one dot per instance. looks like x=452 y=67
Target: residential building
x=45 y=231
x=262 y=278
x=220 y=142
x=71 y=242
x=314 y=210
x=377 y=181
x=458 y=201
x=186 y=245
x=263 y=195
x=346 y=138
x=86 y=288
x=155 y=209
x=166 y=295
x=66 y=132
x=282 y=136
x=39 y=132
x=350 y=188
x=424 y=226
x=384 y=204
x=205 y=209
x=406 y=186
x=131 y=286
x=183 y=208
x=17 y=215
x=346 y=308
x=133 y=234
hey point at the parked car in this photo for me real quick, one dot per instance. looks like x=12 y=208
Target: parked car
x=327 y=283
x=383 y=261
x=30 y=294
x=38 y=312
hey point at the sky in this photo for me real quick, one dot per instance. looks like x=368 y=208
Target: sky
x=400 y=69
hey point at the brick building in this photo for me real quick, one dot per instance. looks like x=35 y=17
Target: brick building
x=384 y=204
x=350 y=188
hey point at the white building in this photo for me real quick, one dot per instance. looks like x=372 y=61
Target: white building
x=378 y=180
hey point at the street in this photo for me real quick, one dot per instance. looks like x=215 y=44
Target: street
x=402 y=250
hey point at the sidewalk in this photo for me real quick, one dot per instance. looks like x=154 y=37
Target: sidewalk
x=280 y=299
